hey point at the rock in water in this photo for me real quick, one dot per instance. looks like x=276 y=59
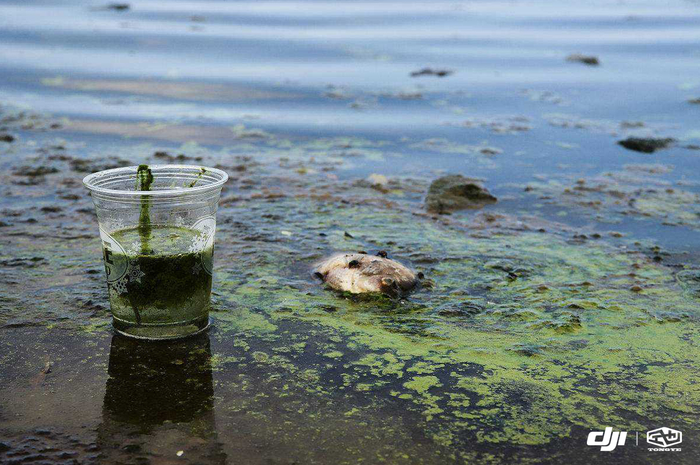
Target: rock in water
x=646 y=145
x=118 y=6
x=431 y=72
x=455 y=192
x=589 y=60
x=360 y=273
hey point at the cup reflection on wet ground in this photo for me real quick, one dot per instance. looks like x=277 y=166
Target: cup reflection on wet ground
x=159 y=403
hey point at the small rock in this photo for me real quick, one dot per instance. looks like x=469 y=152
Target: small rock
x=118 y=6
x=181 y=157
x=360 y=273
x=694 y=101
x=455 y=192
x=22 y=262
x=646 y=145
x=431 y=72
x=82 y=165
x=7 y=138
x=377 y=180
x=589 y=60
x=490 y=151
x=33 y=171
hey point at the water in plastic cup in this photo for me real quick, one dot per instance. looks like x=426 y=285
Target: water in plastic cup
x=157 y=225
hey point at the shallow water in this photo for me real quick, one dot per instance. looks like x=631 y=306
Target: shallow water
x=300 y=102
x=301 y=71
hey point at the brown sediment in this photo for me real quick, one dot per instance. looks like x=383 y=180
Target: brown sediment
x=203 y=92
x=172 y=132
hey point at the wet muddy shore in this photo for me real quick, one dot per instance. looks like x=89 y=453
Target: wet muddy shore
x=562 y=296
x=527 y=331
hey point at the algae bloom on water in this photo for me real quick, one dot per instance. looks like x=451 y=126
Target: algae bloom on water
x=144 y=179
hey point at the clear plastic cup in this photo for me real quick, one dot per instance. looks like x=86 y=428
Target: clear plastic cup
x=158 y=246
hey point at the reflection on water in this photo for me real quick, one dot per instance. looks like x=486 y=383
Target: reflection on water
x=159 y=403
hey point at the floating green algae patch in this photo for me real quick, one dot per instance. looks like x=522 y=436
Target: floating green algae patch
x=522 y=336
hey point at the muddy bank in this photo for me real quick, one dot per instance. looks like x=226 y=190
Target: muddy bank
x=527 y=329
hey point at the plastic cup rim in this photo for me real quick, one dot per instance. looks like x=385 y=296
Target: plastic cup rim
x=90 y=178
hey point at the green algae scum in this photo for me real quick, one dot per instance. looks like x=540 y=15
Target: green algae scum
x=168 y=291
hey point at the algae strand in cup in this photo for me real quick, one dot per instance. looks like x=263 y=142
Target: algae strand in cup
x=199 y=176
x=144 y=179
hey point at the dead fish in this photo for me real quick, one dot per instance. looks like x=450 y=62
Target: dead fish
x=360 y=273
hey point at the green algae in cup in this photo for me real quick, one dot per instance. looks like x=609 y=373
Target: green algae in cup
x=157 y=225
